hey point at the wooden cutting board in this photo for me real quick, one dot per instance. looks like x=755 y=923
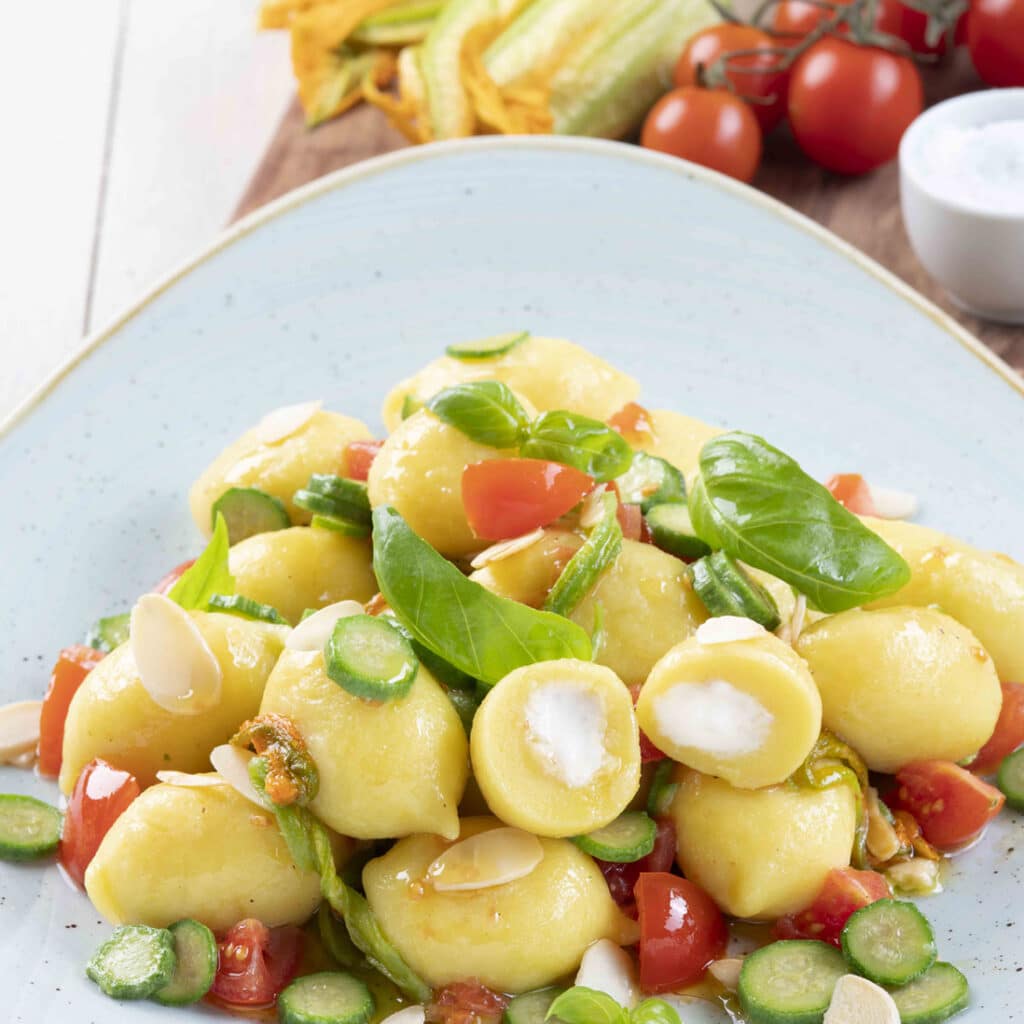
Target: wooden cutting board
x=864 y=211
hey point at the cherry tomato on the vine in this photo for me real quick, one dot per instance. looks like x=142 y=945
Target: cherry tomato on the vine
x=995 y=38
x=849 y=105
x=754 y=77
x=796 y=18
x=906 y=23
x=708 y=126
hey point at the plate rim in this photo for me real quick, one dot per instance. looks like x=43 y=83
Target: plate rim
x=372 y=166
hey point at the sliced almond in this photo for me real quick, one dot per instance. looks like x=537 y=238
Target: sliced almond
x=407 y=1015
x=313 y=633
x=232 y=765
x=19 y=730
x=727 y=971
x=284 y=422
x=882 y=841
x=186 y=780
x=726 y=629
x=593 y=509
x=505 y=548
x=487 y=859
x=609 y=969
x=856 y=1000
x=894 y=504
x=175 y=663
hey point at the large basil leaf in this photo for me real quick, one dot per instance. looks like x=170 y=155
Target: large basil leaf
x=757 y=504
x=584 y=569
x=579 y=441
x=208 y=575
x=485 y=411
x=481 y=634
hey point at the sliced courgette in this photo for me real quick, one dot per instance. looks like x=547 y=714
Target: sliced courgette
x=248 y=511
x=651 y=481
x=932 y=997
x=725 y=589
x=532 y=1007
x=628 y=838
x=196 y=958
x=1010 y=779
x=672 y=531
x=890 y=942
x=246 y=608
x=369 y=658
x=345 y=526
x=663 y=788
x=487 y=348
x=110 y=632
x=330 y=997
x=586 y=566
x=135 y=962
x=336 y=496
x=789 y=982
x=29 y=828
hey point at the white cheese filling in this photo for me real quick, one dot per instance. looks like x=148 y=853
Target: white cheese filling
x=715 y=717
x=565 y=726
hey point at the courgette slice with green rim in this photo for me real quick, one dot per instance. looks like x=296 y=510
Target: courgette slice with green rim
x=330 y=997
x=196 y=959
x=369 y=658
x=246 y=608
x=1010 y=779
x=134 y=962
x=29 y=828
x=487 y=348
x=344 y=526
x=248 y=511
x=889 y=942
x=651 y=481
x=109 y=633
x=336 y=939
x=663 y=789
x=726 y=589
x=338 y=496
x=932 y=997
x=444 y=672
x=672 y=531
x=789 y=982
x=625 y=840
x=532 y=1007
x=410 y=406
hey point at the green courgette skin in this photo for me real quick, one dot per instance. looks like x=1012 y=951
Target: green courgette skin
x=935 y=996
x=1010 y=779
x=29 y=828
x=789 y=982
x=531 y=1007
x=134 y=963
x=486 y=348
x=197 y=957
x=672 y=531
x=330 y=997
x=248 y=511
x=725 y=589
x=889 y=942
x=627 y=839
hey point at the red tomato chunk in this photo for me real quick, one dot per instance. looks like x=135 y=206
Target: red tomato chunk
x=1008 y=734
x=73 y=665
x=256 y=963
x=845 y=890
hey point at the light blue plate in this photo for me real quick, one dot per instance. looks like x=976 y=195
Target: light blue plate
x=726 y=305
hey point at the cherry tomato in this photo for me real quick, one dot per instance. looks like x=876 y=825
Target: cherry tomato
x=73 y=665
x=708 y=126
x=359 y=456
x=796 y=18
x=101 y=795
x=950 y=804
x=995 y=39
x=256 y=963
x=1008 y=734
x=753 y=77
x=509 y=497
x=467 y=1002
x=845 y=890
x=173 y=576
x=633 y=422
x=852 y=490
x=850 y=105
x=910 y=25
x=622 y=878
x=681 y=931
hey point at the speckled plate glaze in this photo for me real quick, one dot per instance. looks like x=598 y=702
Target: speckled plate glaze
x=726 y=305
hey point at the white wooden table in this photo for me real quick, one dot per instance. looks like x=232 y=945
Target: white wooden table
x=131 y=128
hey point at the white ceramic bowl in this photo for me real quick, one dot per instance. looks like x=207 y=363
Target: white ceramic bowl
x=977 y=254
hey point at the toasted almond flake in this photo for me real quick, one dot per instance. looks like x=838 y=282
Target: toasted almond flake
x=232 y=765
x=609 y=969
x=407 y=1015
x=176 y=666
x=187 y=780
x=593 y=511
x=894 y=504
x=313 y=633
x=916 y=877
x=727 y=971
x=882 y=842
x=725 y=629
x=506 y=548
x=19 y=731
x=284 y=422
x=856 y=1000
x=487 y=859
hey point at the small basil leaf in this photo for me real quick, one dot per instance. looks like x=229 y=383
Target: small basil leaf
x=583 y=570
x=582 y=1005
x=756 y=503
x=208 y=575
x=578 y=441
x=481 y=634
x=654 y=1011
x=485 y=411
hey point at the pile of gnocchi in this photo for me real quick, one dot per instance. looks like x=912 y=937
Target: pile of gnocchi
x=527 y=712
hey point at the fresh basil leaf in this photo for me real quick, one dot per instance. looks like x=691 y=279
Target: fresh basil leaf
x=651 y=481
x=582 y=1005
x=481 y=634
x=583 y=570
x=485 y=411
x=758 y=505
x=588 y=445
x=208 y=575
x=654 y=1011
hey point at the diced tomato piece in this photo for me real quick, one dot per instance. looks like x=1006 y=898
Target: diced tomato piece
x=466 y=1002
x=852 y=490
x=73 y=665
x=951 y=805
x=622 y=878
x=631 y=519
x=845 y=890
x=633 y=422
x=101 y=795
x=256 y=963
x=681 y=931
x=359 y=456
x=1008 y=734
x=506 y=498
x=173 y=576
